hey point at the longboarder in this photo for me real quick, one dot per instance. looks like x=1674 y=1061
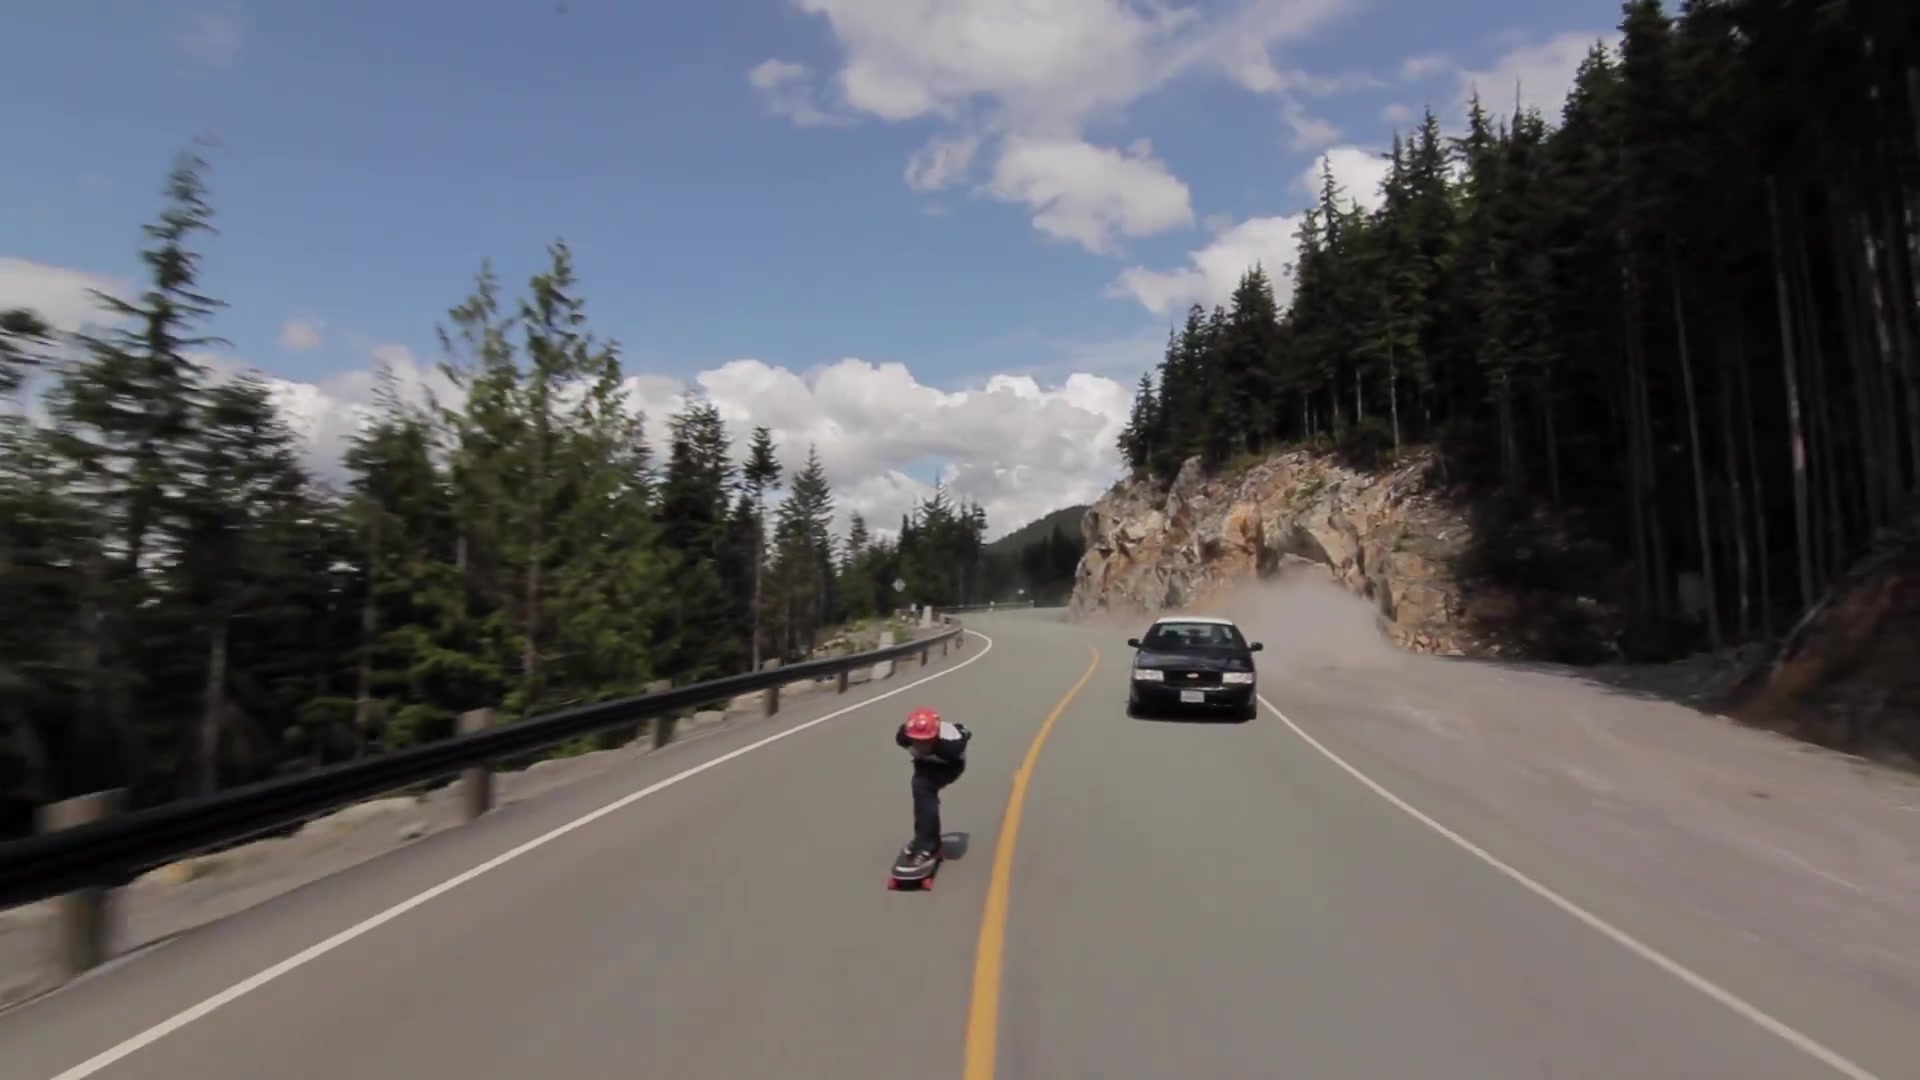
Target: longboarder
x=939 y=752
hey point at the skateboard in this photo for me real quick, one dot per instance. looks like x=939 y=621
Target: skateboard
x=915 y=882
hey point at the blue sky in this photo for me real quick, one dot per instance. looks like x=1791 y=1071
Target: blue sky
x=764 y=179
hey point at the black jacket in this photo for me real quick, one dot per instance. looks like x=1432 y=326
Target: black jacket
x=950 y=748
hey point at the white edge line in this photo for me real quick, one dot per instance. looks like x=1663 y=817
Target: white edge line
x=1799 y=1040
x=313 y=952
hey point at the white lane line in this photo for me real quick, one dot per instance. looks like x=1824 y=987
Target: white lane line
x=1798 y=1040
x=247 y=986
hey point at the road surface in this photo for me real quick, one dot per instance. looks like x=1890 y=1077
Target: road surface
x=1184 y=900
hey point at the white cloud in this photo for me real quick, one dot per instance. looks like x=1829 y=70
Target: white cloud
x=1357 y=171
x=1309 y=132
x=1542 y=72
x=1091 y=194
x=941 y=162
x=1013 y=74
x=61 y=296
x=212 y=39
x=788 y=90
x=1398 y=114
x=1213 y=271
x=1018 y=448
x=300 y=335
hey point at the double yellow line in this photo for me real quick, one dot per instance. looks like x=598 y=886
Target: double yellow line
x=983 y=1015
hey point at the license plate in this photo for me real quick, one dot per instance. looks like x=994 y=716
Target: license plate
x=1190 y=696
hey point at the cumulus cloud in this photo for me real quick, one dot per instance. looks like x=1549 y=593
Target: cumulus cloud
x=1358 y=172
x=1541 y=73
x=1271 y=242
x=1212 y=271
x=300 y=335
x=1013 y=75
x=1309 y=132
x=62 y=297
x=1090 y=194
x=1019 y=448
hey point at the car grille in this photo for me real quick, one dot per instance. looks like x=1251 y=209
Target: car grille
x=1190 y=677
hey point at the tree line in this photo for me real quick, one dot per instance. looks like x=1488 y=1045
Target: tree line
x=1683 y=316
x=190 y=605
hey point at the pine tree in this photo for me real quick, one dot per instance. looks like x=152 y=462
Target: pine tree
x=761 y=470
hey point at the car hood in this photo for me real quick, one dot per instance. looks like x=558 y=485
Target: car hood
x=1208 y=660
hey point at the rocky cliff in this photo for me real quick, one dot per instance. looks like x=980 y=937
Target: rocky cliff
x=1392 y=536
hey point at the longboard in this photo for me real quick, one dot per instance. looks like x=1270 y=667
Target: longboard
x=953 y=845
x=896 y=881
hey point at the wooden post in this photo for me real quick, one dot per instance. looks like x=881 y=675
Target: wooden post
x=924 y=653
x=83 y=918
x=943 y=645
x=771 y=703
x=662 y=724
x=476 y=781
x=840 y=683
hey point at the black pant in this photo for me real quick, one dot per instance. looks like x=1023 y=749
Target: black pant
x=928 y=778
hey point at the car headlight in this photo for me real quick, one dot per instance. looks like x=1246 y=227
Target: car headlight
x=1238 y=678
x=1149 y=675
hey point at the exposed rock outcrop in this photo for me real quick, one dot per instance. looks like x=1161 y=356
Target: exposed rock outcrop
x=1388 y=536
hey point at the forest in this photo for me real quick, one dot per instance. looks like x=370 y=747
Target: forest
x=191 y=604
x=1681 y=317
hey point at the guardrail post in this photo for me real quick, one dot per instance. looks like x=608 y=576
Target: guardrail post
x=840 y=683
x=943 y=645
x=884 y=669
x=476 y=781
x=771 y=703
x=83 y=918
x=662 y=724
x=924 y=654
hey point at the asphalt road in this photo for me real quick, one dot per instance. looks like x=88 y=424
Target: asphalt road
x=1184 y=901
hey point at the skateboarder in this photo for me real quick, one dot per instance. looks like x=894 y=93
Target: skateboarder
x=939 y=752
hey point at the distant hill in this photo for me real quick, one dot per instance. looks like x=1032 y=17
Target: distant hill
x=1069 y=517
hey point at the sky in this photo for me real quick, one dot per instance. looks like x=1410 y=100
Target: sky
x=935 y=239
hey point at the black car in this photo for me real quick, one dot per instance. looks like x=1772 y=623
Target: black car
x=1193 y=662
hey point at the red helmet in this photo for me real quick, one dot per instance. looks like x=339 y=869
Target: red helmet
x=923 y=724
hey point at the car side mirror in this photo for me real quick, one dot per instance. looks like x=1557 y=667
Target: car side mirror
x=1255 y=647
x=1133 y=643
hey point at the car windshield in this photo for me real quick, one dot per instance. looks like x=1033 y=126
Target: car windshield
x=1193 y=635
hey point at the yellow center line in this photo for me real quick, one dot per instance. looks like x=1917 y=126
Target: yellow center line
x=983 y=1015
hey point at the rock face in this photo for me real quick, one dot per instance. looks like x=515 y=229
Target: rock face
x=1387 y=536
x=1379 y=535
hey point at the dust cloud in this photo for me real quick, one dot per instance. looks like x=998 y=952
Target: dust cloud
x=1308 y=622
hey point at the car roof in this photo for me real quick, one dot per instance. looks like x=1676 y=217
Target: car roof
x=1214 y=619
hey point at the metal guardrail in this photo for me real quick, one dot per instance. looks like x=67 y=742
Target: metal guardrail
x=1002 y=605
x=111 y=851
